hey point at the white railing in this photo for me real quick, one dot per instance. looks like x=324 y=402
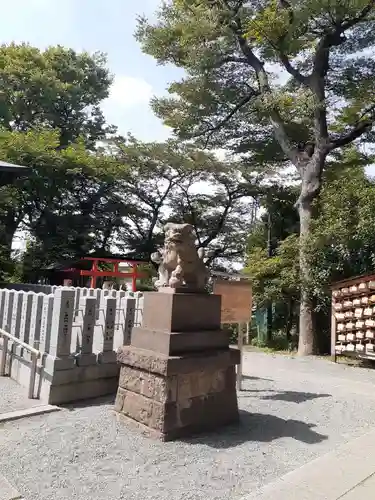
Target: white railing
x=35 y=355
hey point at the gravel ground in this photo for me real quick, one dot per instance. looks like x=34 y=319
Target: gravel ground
x=291 y=412
x=14 y=397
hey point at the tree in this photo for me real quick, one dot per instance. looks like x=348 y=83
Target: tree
x=222 y=213
x=341 y=245
x=68 y=203
x=272 y=261
x=57 y=88
x=232 y=52
x=275 y=281
x=157 y=169
x=165 y=183
x=76 y=201
x=342 y=241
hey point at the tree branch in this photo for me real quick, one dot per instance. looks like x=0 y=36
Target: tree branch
x=276 y=121
x=285 y=5
x=229 y=59
x=215 y=233
x=355 y=133
x=360 y=127
x=284 y=59
x=193 y=214
x=352 y=22
x=321 y=66
x=211 y=130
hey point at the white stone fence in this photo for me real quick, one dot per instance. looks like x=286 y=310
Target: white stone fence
x=77 y=330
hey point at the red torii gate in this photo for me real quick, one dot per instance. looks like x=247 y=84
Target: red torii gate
x=95 y=272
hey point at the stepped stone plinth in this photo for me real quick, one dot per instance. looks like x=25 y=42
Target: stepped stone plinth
x=178 y=375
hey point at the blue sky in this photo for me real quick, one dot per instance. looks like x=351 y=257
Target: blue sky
x=107 y=26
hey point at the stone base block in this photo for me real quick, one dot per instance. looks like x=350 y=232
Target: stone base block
x=79 y=391
x=52 y=364
x=177 y=396
x=85 y=359
x=64 y=385
x=209 y=423
x=162 y=364
x=179 y=342
x=181 y=312
x=107 y=357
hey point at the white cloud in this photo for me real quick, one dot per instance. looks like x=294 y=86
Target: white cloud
x=129 y=92
x=128 y=107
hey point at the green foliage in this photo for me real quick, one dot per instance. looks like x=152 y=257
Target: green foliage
x=56 y=88
x=67 y=200
x=165 y=184
x=274 y=278
x=278 y=343
x=343 y=238
x=341 y=245
x=82 y=197
x=76 y=201
x=300 y=72
x=220 y=99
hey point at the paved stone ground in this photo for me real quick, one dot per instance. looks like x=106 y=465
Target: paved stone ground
x=292 y=411
x=14 y=397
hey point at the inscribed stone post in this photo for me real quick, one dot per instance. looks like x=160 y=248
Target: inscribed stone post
x=61 y=331
x=129 y=311
x=27 y=304
x=86 y=356
x=77 y=301
x=97 y=295
x=16 y=314
x=119 y=295
x=107 y=354
x=102 y=295
x=36 y=317
x=120 y=320
x=8 y=307
x=46 y=322
x=138 y=296
x=2 y=304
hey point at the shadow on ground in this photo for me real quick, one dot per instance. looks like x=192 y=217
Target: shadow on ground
x=259 y=427
x=248 y=377
x=102 y=401
x=287 y=396
x=294 y=396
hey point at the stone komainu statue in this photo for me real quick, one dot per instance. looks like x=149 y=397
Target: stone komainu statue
x=180 y=264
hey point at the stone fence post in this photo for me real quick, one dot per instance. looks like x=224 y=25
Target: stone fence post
x=8 y=309
x=46 y=323
x=16 y=314
x=2 y=306
x=61 y=329
x=25 y=323
x=36 y=320
x=106 y=328
x=87 y=326
x=126 y=318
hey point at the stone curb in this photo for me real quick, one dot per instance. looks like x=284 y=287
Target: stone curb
x=7 y=492
x=330 y=477
x=28 y=412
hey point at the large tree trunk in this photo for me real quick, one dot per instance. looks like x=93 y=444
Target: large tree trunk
x=306 y=342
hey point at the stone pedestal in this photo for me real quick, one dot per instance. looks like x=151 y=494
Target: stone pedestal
x=178 y=375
